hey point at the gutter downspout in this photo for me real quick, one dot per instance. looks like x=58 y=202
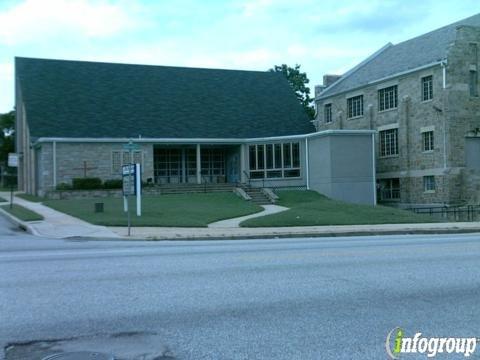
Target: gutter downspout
x=307 y=164
x=54 y=162
x=374 y=172
x=443 y=64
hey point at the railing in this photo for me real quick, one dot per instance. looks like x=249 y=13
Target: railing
x=247 y=175
x=450 y=213
x=250 y=179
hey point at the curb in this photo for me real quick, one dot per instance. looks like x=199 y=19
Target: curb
x=19 y=223
x=285 y=235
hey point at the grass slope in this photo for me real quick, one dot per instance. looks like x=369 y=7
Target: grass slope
x=309 y=208
x=182 y=210
x=22 y=213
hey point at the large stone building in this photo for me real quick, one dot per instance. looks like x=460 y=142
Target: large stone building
x=190 y=126
x=422 y=96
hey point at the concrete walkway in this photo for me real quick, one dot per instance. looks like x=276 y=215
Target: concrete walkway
x=60 y=225
x=235 y=222
x=155 y=233
x=56 y=224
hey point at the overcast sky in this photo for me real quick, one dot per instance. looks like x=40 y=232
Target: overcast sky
x=327 y=36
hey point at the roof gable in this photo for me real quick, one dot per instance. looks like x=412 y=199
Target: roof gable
x=390 y=60
x=99 y=100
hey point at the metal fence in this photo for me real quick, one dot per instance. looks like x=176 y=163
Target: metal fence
x=450 y=213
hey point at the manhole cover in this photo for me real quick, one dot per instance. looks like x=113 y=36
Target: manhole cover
x=80 y=355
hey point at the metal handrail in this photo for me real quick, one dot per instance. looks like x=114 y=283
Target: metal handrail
x=248 y=177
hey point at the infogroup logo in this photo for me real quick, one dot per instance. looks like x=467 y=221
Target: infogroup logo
x=397 y=343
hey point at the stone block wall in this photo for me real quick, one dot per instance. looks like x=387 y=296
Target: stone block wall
x=70 y=159
x=451 y=114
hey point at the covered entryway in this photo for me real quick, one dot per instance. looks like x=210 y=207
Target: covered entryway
x=194 y=164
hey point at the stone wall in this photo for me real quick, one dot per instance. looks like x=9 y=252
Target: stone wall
x=451 y=114
x=70 y=158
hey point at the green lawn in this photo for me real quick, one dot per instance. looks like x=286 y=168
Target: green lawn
x=29 y=197
x=183 y=210
x=22 y=213
x=309 y=208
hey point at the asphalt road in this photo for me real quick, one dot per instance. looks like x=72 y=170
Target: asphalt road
x=326 y=298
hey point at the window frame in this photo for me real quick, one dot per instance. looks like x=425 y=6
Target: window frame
x=389 y=143
x=388 y=95
x=282 y=168
x=427 y=88
x=125 y=158
x=473 y=83
x=393 y=192
x=327 y=113
x=428 y=141
x=429 y=184
x=355 y=108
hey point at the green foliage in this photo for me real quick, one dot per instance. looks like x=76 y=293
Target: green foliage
x=309 y=208
x=184 y=210
x=7 y=126
x=113 y=184
x=86 y=183
x=298 y=81
x=22 y=213
x=29 y=197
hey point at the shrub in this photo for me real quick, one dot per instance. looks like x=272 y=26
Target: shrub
x=87 y=183
x=64 y=186
x=113 y=184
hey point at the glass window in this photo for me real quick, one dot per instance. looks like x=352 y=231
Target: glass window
x=355 y=106
x=427 y=138
x=116 y=162
x=260 y=157
x=387 y=98
x=389 y=142
x=273 y=160
x=328 y=113
x=429 y=183
x=427 y=88
x=287 y=156
x=252 y=157
x=278 y=156
x=473 y=83
x=269 y=155
x=296 y=155
x=389 y=189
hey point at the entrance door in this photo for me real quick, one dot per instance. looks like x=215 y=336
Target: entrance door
x=168 y=166
x=233 y=167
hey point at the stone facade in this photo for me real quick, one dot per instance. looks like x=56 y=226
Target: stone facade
x=452 y=114
x=70 y=160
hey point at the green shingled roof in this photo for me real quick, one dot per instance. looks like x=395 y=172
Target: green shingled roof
x=99 y=100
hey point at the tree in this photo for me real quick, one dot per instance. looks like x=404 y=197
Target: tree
x=7 y=130
x=298 y=81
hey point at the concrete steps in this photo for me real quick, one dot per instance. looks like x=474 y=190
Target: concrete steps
x=257 y=196
x=189 y=188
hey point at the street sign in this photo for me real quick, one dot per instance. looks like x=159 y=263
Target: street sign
x=132 y=185
x=131 y=146
x=13 y=159
x=128 y=176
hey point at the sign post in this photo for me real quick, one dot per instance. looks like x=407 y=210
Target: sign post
x=12 y=162
x=132 y=183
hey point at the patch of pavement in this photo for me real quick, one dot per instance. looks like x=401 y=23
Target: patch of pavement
x=135 y=345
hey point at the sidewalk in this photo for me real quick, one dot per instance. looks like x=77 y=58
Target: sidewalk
x=56 y=224
x=297 y=231
x=60 y=225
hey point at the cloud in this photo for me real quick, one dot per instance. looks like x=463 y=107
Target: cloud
x=33 y=20
x=254 y=7
x=6 y=86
